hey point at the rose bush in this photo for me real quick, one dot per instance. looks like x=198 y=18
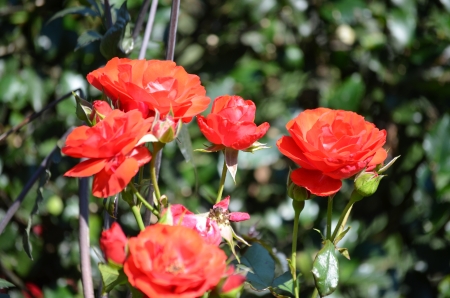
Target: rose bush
x=331 y=145
x=113 y=243
x=112 y=149
x=173 y=261
x=149 y=86
x=231 y=123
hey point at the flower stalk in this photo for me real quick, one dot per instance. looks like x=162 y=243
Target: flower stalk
x=222 y=181
x=298 y=207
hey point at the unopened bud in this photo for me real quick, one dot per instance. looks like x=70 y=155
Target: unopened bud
x=297 y=193
x=366 y=183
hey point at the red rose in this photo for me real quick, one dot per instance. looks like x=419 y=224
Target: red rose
x=173 y=262
x=113 y=243
x=100 y=109
x=151 y=86
x=231 y=123
x=110 y=145
x=331 y=145
x=32 y=289
x=200 y=223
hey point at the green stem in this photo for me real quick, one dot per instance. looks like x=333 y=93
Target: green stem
x=355 y=197
x=144 y=201
x=156 y=149
x=137 y=215
x=329 y=215
x=222 y=181
x=314 y=294
x=298 y=207
x=141 y=176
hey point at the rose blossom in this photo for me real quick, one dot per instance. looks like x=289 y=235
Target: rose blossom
x=150 y=86
x=204 y=226
x=231 y=123
x=173 y=262
x=113 y=243
x=331 y=145
x=113 y=151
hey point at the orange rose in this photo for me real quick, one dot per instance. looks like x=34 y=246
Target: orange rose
x=173 y=261
x=151 y=86
x=111 y=146
x=331 y=145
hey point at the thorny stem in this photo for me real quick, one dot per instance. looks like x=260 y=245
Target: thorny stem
x=137 y=215
x=143 y=201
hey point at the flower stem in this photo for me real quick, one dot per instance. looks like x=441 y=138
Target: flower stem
x=156 y=149
x=314 y=294
x=137 y=215
x=222 y=180
x=329 y=215
x=143 y=201
x=355 y=197
x=298 y=207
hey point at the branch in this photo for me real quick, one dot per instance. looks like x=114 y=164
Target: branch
x=148 y=29
x=38 y=114
x=86 y=277
x=44 y=164
x=140 y=20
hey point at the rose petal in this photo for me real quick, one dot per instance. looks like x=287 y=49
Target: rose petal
x=316 y=182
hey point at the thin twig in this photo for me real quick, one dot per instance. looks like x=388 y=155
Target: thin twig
x=37 y=174
x=148 y=29
x=38 y=114
x=86 y=276
x=140 y=19
x=173 y=29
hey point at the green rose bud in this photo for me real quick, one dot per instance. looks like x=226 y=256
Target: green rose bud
x=297 y=193
x=366 y=183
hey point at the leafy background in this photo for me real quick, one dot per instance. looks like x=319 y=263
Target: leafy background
x=387 y=60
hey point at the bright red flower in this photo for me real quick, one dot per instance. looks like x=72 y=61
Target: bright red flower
x=233 y=282
x=100 y=109
x=173 y=262
x=203 y=225
x=32 y=289
x=111 y=146
x=151 y=86
x=331 y=145
x=231 y=123
x=113 y=243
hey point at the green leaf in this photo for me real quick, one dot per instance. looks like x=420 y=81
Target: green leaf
x=348 y=95
x=28 y=248
x=83 y=109
x=87 y=38
x=262 y=267
x=5 y=284
x=326 y=269
x=111 y=43
x=111 y=277
x=284 y=284
x=341 y=235
x=81 y=10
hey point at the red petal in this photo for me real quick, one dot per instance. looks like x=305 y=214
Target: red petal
x=223 y=204
x=87 y=168
x=107 y=184
x=316 y=182
x=239 y=216
x=209 y=132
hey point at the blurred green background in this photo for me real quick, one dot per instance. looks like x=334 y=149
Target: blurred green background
x=387 y=60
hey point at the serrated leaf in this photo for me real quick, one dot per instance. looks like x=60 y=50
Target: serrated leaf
x=86 y=38
x=326 y=269
x=111 y=277
x=344 y=252
x=111 y=43
x=341 y=235
x=231 y=159
x=262 y=267
x=81 y=10
x=185 y=144
x=5 y=284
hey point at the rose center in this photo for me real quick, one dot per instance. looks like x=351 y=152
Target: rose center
x=175 y=267
x=220 y=216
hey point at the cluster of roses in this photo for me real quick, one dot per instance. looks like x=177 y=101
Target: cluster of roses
x=148 y=102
